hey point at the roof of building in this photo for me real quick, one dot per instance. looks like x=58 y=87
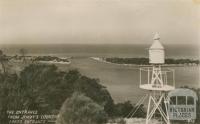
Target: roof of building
x=182 y=92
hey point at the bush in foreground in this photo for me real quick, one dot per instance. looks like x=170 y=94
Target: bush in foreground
x=80 y=109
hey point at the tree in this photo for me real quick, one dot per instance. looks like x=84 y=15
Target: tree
x=3 y=61
x=126 y=109
x=92 y=89
x=35 y=86
x=9 y=99
x=123 y=109
x=80 y=109
x=23 y=53
x=41 y=83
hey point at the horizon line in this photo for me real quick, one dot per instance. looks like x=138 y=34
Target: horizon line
x=95 y=43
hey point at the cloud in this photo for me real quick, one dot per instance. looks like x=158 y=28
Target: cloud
x=97 y=21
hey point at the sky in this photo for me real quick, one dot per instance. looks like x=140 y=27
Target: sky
x=99 y=21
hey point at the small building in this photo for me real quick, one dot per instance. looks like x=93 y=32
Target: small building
x=182 y=104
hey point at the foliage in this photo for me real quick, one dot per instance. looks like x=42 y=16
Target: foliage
x=80 y=109
x=96 y=92
x=8 y=94
x=141 y=61
x=123 y=109
x=198 y=104
x=3 y=61
x=23 y=53
x=145 y=61
x=116 y=121
x=44 y=88
x=50 y=58
x=127 y=109
x=46 y=82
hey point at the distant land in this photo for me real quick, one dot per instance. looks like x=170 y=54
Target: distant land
x=145 y=61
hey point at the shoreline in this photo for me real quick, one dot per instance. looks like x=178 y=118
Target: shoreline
x=101 y=59
x=55 y=62
x=50 y=60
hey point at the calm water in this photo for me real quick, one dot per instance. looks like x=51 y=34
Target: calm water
x=121 y=81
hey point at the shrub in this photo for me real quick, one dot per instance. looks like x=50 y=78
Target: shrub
x=80 y=109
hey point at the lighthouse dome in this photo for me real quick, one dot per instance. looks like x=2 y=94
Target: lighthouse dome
x=156 y=45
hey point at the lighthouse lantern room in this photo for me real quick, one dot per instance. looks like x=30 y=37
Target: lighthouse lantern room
x=156 y=51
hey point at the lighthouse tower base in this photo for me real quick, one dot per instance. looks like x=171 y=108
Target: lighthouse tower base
x=155 y=103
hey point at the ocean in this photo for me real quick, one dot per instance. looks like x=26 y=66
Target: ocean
x=121 y=81
x=102 y=50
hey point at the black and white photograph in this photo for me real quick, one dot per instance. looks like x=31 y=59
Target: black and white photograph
x=99 y=61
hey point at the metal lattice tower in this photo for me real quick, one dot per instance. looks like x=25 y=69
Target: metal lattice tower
x=157 y=82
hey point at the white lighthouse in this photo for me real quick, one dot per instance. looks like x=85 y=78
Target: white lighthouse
x=157 y=81
x=156 y=51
